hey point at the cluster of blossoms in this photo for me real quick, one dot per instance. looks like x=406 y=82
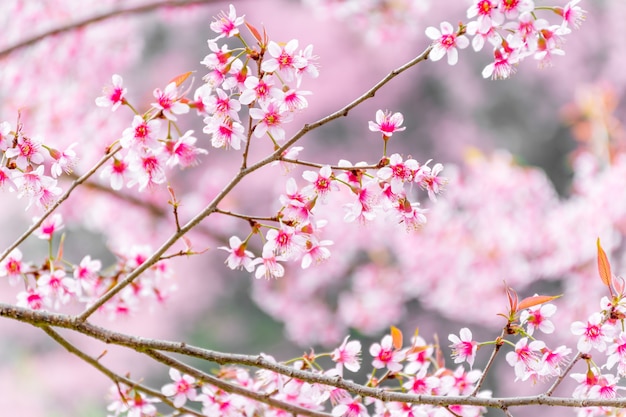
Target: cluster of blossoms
x=370 y=194
x=24 y=162
x=512 y=28
x=416 y=367
x=57 y=282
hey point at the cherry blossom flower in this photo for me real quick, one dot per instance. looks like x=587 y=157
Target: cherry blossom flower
x=502 y=67
x=64 y=161
x=305 y=64
x=134 y=403
x=551 y=361
x=316 y=252
x=257 y=89
x=147 y=170
x=445 y=42
x=113 y=94
x=572 y=14
x=183 y=151
x=282 y=58
x=271 y=119
x=57 y=287
x=168 y=102
x=268 y=265
x=291 y=153
x=616 y=354
x=605 y=388
x=512 y=8
x=593 y=334
x=463 y=348
x=5 y=179
x=226 y=25
x=222 y=104
x=294 y=100
x=239 y=257
x=322 y=182
x=12 y=266
x=285 y=241
x=525 y=358
x=142 y=133
x=86 y=274
x=348 y=355
x=49 y=226
x=537 y=318
x=421 y=383
x=385 y=355
x=397 y=172
x=225 y=133
x=387 y=123
x=430 y=181
x=115 y=171
x=488 y=12
x=32 y=298
x=27 y=151
x=182 y=389
x=350 y=408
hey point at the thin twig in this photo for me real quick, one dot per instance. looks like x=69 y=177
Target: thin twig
x=99 y=18
x=233 y=388
x=566 y=371
x=112 y=375
x=490 y=362
x=57 y=203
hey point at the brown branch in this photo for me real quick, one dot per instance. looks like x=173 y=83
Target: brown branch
x=99 y=18
x=490 y=362
x=112 y=375
x=57 y=203
x=141 y=345
x=233 y=388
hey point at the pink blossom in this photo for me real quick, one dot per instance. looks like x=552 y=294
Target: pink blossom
x=239 y=257
x=430 y=181
x=113 y=94
x=572 y=14
x=182 y=389
x=551 y=361
x=537 y=318
x=27 y=151
x=385 y=355
x=463 y=348
x=49 y=226
x=12 y=266
x=593 y=334
x=257 y=89
x=322 y=182
x=64 y=161
x=147 y=170
x=86 y=274
x=316 y=252
x=183 y=151
x=271 y=118
x=222 y=104
x=115 y=171
x=616 y=354
x=348 y=355
x=488 y=12
x=350 y=408
x=142 y=133
x=282 y=59
x=397 y=172
x=169 y=103
x=525 y=358
x=57 y=286
x=32 y=298
x=6 y=179
x=445 y=42
x=226 y=25
x=225 y=133
x=512 y=8
x=268 y=265
x=387 y=123
x=285 y=241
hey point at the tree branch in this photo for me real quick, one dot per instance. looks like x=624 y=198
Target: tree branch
x=141 y=345
x=99 y=18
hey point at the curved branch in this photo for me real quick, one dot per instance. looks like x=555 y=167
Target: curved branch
x=141 y=345
x=112 y=375
x=99 y=18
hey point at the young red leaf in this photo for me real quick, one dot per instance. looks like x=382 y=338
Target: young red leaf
x=604 y=267
x=254 y=32
x=396 y=336
x=535 y=300
x=179 y=79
